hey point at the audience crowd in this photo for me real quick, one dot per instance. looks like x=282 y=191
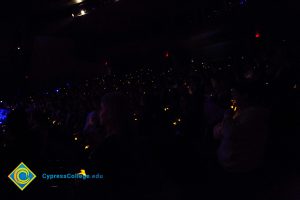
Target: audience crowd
x=223 y=129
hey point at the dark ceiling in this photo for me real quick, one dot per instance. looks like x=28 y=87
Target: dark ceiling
x=110 y=17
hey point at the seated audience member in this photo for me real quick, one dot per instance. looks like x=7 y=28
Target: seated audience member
x=92 y=130
x=243 y=135
x=114 y=155
x=243 y=132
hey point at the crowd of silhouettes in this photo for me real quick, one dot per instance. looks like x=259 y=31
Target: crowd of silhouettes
x=221 y=129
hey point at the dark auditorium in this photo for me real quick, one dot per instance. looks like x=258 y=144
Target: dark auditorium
x=150 y=100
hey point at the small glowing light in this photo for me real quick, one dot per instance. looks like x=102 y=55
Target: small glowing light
x=167 y=55
x=192 y=61
x=267 y=83
x=54 y=122
x=166 y=109
x=73 y=15
x=174 y=123
x=135 y=119
x=257 y=35
x=76 y=138
x=295 y=86
x=82 y=172
x=87 y=147
x=179 y=120
x=234 y=105
x=82 y=12
x=19 y=48
x=78 y=1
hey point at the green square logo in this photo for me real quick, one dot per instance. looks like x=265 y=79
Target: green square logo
x=22 y=176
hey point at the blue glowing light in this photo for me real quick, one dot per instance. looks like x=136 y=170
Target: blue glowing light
x=3 y=115
x=243 y=2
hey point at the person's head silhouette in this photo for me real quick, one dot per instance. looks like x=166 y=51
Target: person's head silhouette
x=114 y=113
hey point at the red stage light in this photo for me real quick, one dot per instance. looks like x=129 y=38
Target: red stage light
x=167 y=55
x=257 y=35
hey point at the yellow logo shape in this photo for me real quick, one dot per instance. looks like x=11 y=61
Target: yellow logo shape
x=22 y=176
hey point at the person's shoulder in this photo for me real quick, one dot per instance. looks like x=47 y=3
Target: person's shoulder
x=256 y=112
x=256 y=109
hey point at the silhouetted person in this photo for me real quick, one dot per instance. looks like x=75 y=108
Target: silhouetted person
x=114 y=155
x=243 y=134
